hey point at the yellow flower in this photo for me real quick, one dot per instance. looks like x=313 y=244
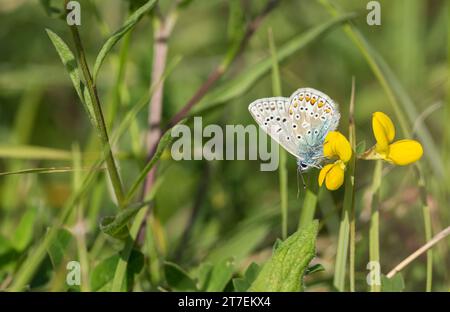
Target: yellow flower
x=400 y=153
x=335 y=146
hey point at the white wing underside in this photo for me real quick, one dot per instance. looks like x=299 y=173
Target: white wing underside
x=300 y=121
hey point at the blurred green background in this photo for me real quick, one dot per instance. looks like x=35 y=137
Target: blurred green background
x=208 y=212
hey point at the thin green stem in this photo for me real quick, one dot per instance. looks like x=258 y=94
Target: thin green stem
x=99 y=118
x=374 y=232
x=426 y=214
x=350 y=186
x=283 y=177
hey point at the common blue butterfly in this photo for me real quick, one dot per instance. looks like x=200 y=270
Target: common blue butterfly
x=299 y=123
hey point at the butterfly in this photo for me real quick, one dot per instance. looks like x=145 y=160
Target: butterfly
x=299 y=123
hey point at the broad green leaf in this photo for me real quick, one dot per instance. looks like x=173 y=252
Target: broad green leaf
x=240 y=84
x=393 y=284
x=58 y=247
x=177 y=278
x=130 y=22
x=33 y=152
x=102 y=275
x=285 y=270
x=69 y=61
x=24 y=231
x=244 y=283
x=221 y=274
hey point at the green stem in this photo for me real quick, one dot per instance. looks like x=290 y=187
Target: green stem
x=99 y=118
x=283 y=177
x=426 y=214
x=374 y=232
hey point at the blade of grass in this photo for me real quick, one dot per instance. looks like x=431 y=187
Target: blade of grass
x=33 y=152
x=81 y=225
x=130 y=22
x=349 y=196
x=282 y=170
x=347 y=224
x=374 y=231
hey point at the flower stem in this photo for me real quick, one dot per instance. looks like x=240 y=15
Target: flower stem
x=276 y=87
x=99 y=118
x=374 y=231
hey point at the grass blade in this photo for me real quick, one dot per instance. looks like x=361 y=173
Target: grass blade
x=283 y=177
x=129 y=24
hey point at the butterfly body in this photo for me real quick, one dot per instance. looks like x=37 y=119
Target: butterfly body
x=299 y=123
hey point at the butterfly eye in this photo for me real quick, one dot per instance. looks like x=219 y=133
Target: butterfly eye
x=303 y=165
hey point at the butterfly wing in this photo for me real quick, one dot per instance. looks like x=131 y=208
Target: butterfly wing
x=300 y=123
x=317 y=114
x=272 y=116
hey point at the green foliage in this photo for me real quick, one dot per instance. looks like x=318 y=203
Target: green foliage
x=103 y=273
x=130 y=22
x=69 y=61
x=393 y=284
x=58 y=248
x=285 y=270
x=250 y=275
x=177 y=278
x=201 y=224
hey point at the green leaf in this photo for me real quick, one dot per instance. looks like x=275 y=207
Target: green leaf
x=24 y=231
x=203 y=275
x=103 y=273
x=244 y=283
x=220 y=275
x=68 y=59
x=37 y=170
x=314 y=268
x=393 y=284
x=276 y=245
x=57 y=249
x=130 y=22
x=116 y=226
x=33 y=152
x=360 y=147
x=285 y=270
x=177 y=278
x=163 y=143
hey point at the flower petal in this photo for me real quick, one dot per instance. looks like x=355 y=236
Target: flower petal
x=404 y=152
x=383 y=130
x=335 y=144
x=323 y=173
x=335 y=177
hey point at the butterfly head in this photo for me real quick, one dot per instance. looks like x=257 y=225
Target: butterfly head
x=306 y=164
